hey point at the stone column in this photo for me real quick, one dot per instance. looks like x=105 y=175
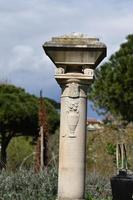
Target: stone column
x=75 y=57
x=71 y=182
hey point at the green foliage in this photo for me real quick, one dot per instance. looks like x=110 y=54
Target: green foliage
x=100 y=146
x=20 y=152
x=112 y=90
x=97 y=187
x=19 y=116
x=25 y=184
x=111 y=149
x=19 y=111
x=53 y=102
x=53 y=117
x=101 y=149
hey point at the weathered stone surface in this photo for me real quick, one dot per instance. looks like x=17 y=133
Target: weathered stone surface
x=75 y=50
x=75 y=56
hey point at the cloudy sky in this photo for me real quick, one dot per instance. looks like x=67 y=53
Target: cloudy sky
x=26 y=24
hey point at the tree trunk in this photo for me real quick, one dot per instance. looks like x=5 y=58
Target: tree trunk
x=3 y=156
x=5 y=139
x=37 y=155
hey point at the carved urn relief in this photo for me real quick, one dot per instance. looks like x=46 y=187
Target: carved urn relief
x=73 y=117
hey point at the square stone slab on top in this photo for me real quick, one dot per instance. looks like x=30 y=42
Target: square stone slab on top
x=75 y=51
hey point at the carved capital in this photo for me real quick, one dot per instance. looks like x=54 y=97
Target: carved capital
x=71 y=90
x=87 y=71
x=60 y=70
x=74 y=90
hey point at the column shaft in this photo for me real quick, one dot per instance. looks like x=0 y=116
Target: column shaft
x=71 y=184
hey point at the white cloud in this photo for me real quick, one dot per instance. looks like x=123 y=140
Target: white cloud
x=26 y=25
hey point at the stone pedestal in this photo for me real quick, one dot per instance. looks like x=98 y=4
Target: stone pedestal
x=75 y=57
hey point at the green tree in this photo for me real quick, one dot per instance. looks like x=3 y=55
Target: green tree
x=112 y=90
x=19 y=115
x=53 y=115
x=54 y=103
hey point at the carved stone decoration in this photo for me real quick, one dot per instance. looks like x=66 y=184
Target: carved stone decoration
x=73 y=117
x=73 y=90
x=59 y=70
x=87 y=71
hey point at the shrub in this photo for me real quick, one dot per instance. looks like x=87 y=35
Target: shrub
x=97 y=187
x=25 y=184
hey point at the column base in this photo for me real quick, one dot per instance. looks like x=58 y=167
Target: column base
x=68 y=199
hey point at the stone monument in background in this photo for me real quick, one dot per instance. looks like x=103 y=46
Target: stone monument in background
x=75 y=57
